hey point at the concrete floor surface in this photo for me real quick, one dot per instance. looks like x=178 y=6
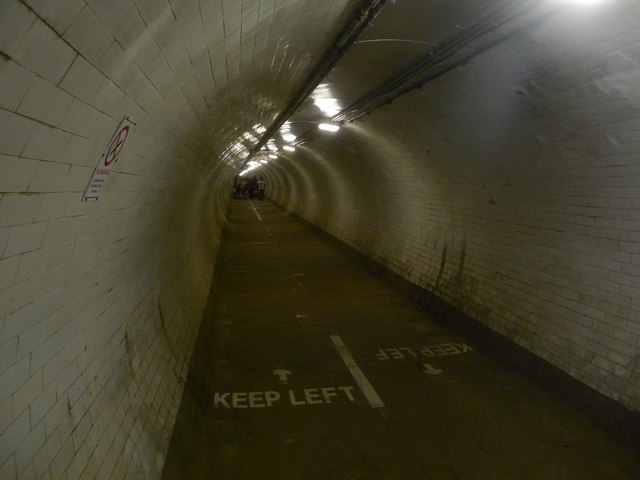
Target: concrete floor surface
x=308 y=367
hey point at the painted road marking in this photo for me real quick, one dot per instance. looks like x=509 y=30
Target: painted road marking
x=367 y=389
x=245 y=399
x=395 y=353
x=431 y=370
x=282 y=374
x=446 y=349
x=441 y=350
x=306 y=396
x=255 y=210
x=317 y=396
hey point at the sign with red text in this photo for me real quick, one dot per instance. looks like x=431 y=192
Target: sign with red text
x=108 y=159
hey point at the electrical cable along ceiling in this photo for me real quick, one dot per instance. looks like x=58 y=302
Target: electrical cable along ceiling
x=395 y=46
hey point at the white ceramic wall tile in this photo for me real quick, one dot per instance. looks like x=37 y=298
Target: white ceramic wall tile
x=45 y=53
x=15 y=81
x=15 y=21
x=8 y=355
x=33 y=263
x=13 y=436
x=81 y=151
x=16 y=173
x=15 y=131
x=88 y=35
x=186 y=73
x=83 y=80
x=49 y=176
x=11 y=380
x=8 y=470
x=58 y=14
x=18 y=209
x=13 y=298
x=45 y=102
x=24 y=238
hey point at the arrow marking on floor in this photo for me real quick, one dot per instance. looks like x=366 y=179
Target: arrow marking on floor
x=431 y=370
x=283 y=375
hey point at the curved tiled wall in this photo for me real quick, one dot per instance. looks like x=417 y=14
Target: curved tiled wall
x=509 y=187
x=100 y=302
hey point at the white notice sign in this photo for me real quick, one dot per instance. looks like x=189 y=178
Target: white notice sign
x=108 y=158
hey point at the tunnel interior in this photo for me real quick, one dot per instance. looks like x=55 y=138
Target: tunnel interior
x=486 y=154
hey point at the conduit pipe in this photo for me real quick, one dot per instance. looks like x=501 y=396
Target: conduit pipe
x=347 y=38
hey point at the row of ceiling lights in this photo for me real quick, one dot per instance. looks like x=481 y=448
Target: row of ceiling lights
x=287 y=136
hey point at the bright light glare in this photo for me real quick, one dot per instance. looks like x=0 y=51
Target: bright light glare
x=328 y=106
x=323 y=99
x=329 y=127
x=273 y=156
x=289 y=148
x=582 y=3
x=252 y=165
x=249 y=137
x=288 y=137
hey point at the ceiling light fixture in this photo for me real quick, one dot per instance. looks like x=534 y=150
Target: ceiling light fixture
x=328 y=106
x=329 y=127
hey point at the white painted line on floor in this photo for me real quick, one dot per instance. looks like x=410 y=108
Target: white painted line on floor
x=367 y=389
x=255 y=210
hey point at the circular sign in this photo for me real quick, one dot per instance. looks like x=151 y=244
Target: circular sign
x=116 y=144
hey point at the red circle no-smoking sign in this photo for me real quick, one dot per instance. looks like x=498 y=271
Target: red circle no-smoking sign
x=115 y=146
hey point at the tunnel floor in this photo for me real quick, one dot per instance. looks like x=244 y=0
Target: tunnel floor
x=308 y=367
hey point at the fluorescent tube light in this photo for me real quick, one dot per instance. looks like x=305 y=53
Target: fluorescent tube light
x=329 y=127
x=288 y=137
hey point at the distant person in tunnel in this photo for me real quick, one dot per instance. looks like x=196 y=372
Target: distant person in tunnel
x=252 y=188
x=237 y=188
x=261 y=186
x=246 y=188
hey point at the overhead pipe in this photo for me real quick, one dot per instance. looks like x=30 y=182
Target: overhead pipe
x=366 y=13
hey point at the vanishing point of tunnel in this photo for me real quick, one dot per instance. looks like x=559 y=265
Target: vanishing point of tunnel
x=320 y=239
